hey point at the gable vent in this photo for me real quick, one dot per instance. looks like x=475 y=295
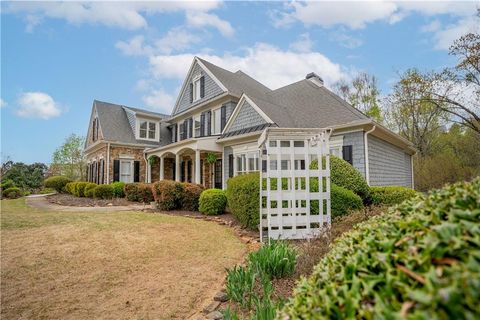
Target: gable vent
x=315 y=78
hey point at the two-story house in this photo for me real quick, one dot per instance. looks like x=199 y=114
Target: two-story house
x=217 y=119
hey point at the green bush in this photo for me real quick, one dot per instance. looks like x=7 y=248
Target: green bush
x=139 y=192
x=47 y=191
x=213 y=202
x=7 y=184
x=58 y=183
x=343 y=174
x=390 y=195
x=118 y=189
x=80 y=189
x=168 y=194
x=277 y=260
x=70 y=187
x=88 y=191
x=343 y=201
x=103 y=191
x=421 y=260
x=12 y=193
x=190 y=197
x=243 y=193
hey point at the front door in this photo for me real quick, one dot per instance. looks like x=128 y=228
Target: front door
x=218 y=174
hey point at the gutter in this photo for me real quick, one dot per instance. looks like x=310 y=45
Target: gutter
x=367 y=169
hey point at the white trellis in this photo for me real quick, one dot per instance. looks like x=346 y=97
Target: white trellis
x=286 y=196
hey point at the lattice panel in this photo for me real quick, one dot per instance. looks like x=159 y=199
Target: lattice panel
x=294 y=199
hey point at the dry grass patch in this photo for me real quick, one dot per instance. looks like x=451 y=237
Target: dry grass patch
x=127 y=265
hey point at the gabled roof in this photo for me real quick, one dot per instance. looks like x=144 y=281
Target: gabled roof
x=114 y=123
x=148 y=112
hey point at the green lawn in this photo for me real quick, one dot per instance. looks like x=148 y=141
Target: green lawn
x=124 y=265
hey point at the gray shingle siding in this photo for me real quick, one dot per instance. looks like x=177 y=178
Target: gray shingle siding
x=211 y=90
x=131 y=120
x=355 y=139
x=389 y=165
x=230 y=106
x=246 y=118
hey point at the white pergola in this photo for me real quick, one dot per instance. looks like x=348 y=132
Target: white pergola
x=285 y=195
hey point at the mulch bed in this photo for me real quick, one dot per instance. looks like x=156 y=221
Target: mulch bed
x=69 y=200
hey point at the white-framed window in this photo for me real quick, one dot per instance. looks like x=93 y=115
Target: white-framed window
x=336 y=144
x=126 y=171
x=246 y=162
x=147 y=130
x=196 y=126
x=217 y=118
x=196 y=88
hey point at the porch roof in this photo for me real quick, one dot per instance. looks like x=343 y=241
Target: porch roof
x=203 y=144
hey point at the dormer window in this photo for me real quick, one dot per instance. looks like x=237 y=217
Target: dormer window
x=197 y=88
x=148 y=130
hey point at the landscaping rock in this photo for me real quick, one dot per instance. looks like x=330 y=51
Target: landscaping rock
x=215 y=315
x=221 y=296
x=211 y=307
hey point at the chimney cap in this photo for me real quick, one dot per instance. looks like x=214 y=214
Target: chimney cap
x=312 y=76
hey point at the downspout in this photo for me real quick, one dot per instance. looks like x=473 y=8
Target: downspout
x=108 y=163
x=367 y=169
x=411 y=168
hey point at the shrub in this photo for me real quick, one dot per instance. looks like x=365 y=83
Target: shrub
x=418 y=261
x=343 y=174
x=88 y=191
x=213 y=201
x=7 y=184
x=138 y=192
x=243 y=193
x=12 y=193
x=118 y=189
x=343 y=201
x=57 y=182
x=80 y=189
x=103 y=191
x=277 y=260
x=47 y=191
x=70 y=187
x=191 y=196
x=390 y=195
x=168 y=194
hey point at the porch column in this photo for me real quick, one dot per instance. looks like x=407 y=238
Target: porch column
x=177 y=167
x=197 y=166
x=149 y=173
x=162 y=167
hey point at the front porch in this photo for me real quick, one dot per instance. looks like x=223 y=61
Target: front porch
x=192 y=160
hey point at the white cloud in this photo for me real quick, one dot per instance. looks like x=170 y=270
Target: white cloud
x=268 y=64
x=433 y=26
x=159 y=100
x=128 y=15
x=176 y=39
x=134 y=47
x=357 y=14
x=346 y=40
x=446 y=35
x=38 y=105
x=303 y=44
x=3 y=103
x=202 y=19
x=32 y=21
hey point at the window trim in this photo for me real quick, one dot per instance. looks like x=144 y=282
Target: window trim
x=139 y=122
x=196 y=88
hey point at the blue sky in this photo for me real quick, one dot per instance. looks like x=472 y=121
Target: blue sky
x=57 y=57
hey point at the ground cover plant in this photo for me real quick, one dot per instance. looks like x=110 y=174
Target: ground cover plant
x=118 y=265
x=421 y=260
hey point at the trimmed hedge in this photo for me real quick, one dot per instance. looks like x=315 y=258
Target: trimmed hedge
x=12 y=193
x=88 y=191
x=118 y=189
x=57 y=182
x=343 y=174
x=190 y=196
x=212 y=202
x=243 y=193
x=70 y=187
x=168 y=194
x=138 y=192
x=80 y=189
x=421 y=260
x=390 y=195
x=103 y=191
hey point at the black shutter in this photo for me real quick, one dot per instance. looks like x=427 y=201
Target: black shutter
x=191 y=92
x=209 y=123
x=185 y=129
x=230 y=165
x=96 y=131
x=189 y=171
x=223 y=117
x=202 y=124
x=136 y=171
x=182 y=171
x=190 y=127
x=202 y=87
x=175 y=129
x=347 y=154
x=116 y=170
x=94 y=126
